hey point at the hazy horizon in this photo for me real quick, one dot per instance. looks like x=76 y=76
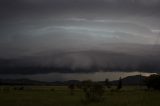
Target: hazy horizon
x=96 y=76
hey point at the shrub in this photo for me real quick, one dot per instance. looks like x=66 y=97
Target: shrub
x=52 y=89
x=153 y=81
x=107 y=83
x=71 y=87
x=93 y=91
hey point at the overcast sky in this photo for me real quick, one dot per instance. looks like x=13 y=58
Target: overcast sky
x=32 y=26
x=43 y=27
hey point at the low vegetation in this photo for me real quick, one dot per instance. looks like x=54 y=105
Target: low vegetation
x=85 y=93
x=93 y=91
x=43 y=95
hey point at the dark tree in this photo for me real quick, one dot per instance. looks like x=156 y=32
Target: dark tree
x=119 y=86
x=71 y=87
x=93 y=91
x=107 y=83
x=153 y=81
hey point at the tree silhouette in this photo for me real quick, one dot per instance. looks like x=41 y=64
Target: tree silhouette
x=71 y=87
x=119 y=86
x=107 y=83
x=93 y=91
x=153 y=81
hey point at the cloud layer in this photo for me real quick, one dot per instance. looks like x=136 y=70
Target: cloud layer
x=32 y=27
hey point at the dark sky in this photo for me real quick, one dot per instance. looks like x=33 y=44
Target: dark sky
x=31 y=26
x=45 y=27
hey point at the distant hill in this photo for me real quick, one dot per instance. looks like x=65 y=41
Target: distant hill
x=131 y=80
x=34 y=82
x=20 y=82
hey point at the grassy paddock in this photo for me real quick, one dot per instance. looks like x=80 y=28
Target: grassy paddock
x=60 y=96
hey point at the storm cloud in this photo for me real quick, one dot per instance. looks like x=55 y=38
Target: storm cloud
x=33 y=32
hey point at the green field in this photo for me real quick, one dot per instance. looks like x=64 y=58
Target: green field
x=60 y=96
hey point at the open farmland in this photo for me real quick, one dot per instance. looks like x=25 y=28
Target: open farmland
x=60 y=96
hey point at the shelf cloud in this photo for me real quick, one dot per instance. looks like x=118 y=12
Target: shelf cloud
x=84 y=31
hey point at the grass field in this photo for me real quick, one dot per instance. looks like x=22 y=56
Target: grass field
x=60 y=96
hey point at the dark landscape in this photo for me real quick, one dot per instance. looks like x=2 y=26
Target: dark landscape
x=79 y=52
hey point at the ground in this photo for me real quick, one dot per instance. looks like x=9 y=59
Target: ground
x=60 y=96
